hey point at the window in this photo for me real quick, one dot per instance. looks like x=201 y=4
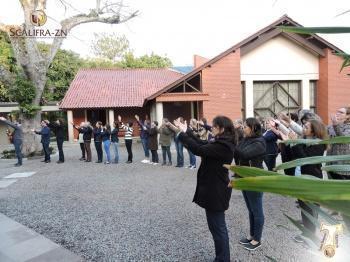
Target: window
x=313 y=96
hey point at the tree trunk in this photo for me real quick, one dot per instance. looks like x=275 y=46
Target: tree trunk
x=31 y=141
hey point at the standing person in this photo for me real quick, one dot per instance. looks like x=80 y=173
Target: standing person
x=271 y=144
x=312 y=129
x=212 y=192
x=204 y=130
x=144 y=135
x=340 y=127
x=81 y=140
x=128 y=138
x=153 y=142
x=179 y=148
x=45 y=140
x=87 y=135
x=194 y=129
x=251 y=152
x=98 y=141
x=58 y=129
x=106 y=140
x=165 y=135
x=115 y=141
x=17 y=138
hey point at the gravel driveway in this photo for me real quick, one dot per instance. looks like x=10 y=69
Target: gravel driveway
x=135 y=212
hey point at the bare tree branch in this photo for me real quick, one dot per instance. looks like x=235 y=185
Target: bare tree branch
x=94 y=16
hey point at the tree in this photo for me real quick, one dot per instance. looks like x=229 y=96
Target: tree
x=145 y=61
x=110 y=46
x=34 y=64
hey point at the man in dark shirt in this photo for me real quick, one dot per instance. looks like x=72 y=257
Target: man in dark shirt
x=57 y=127
x=17 y=138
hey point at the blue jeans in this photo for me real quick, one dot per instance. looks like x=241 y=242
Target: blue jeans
x=180 y=152
x=106 y=145
x=166 y=151
x=254 y=204
x=46 y=150
x=18 y=150
x=192 y=158
x=144 y=142
x=218 y=229
x=116 y=152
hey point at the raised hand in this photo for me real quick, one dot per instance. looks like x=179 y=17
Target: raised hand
x=137 y=117
x=284 y=117
x=119 y=118
x=334 y=120
x=2 y=118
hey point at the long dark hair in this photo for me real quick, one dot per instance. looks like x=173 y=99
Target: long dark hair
x=254 y=125
x=229 y=130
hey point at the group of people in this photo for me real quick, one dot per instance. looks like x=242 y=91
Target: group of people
x=251 y=143
x=247 y=143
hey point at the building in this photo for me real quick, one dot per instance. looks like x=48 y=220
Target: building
x=265 y=74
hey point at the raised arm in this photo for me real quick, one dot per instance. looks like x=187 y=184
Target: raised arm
x=9 y=123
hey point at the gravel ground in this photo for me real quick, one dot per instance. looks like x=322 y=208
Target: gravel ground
x=135 y=212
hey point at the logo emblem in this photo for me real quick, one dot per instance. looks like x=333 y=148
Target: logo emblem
x=38 y=17
x=330 y=238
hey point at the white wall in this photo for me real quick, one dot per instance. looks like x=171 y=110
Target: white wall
x=276 y=60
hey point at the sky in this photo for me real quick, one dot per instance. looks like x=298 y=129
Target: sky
x=179 y=29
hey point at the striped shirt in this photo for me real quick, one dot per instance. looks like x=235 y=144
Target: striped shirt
x=128 y=131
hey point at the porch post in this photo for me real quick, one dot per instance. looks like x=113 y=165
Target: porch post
x=159 y=112
x=111 y=117
x=70 y=127
x=305 y=93
x=249 y=98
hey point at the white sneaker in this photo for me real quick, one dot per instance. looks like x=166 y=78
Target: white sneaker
x=155 y=164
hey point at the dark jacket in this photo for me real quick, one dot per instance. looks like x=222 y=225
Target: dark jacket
x=105 y=134
x=251 y=152
x=114 y=135
x=153 y=138
x=271 y=142
x=97 y=134
x=301 y=151
x=286 y=156
x=17 y=134
x=45 y=135
x=143 y=133
x=87 y=133
x=212 y=192
x=58 y=130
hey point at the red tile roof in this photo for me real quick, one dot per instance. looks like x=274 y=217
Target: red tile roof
x=109 y=88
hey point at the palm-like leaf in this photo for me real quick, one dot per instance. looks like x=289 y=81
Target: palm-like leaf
x=336 y=168
x=334 y=140
x=315 y=30
x=312 y=160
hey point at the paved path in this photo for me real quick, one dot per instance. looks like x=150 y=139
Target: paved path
x=21 y=244
x=135 y=212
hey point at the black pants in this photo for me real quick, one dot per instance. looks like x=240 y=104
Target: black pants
x=128 y=144
x=155 y=158
x=46 y=151
x=218 y=229
x=166 y=151
x=60 y=150
x=98 y=146
x=87 y=145
x=82 y=147
x=306 y=221
x=270 y=161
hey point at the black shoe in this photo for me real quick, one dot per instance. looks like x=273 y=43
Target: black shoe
x=43 y=161
x=82 y=159
x=47 y=161
x=169 y=164
x=87 y=160
x=164 y=164
x=128 y=162
x=244 y=241
x=252 y=247
x=18 y=164
x=98 y=162
x=59 y=162
x=179 y=166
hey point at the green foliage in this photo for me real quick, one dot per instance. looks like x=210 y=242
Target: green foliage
x=145 y=61
x=333 y=140
x=23 y=91
x=315 y=30
x=110 y=46
x=61 y=72
x=29 y=110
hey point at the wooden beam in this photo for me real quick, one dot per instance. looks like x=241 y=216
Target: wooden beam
x=304 y=43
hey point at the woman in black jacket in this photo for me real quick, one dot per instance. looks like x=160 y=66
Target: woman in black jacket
x=312 y=129
x=251 y=151
x=212 y=192
x=58 y=129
